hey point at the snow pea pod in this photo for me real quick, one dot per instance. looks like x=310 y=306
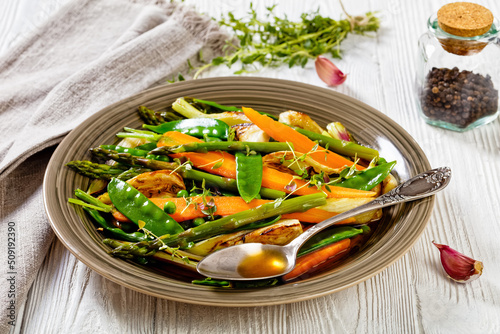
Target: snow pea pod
x=196 y=127
x=248 y=175
x=330 y=236
x=137 y=207
x=368 y=178
x=114 y=231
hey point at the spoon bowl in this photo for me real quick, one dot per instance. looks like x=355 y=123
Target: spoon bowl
x=258 y=261
x=253 y=261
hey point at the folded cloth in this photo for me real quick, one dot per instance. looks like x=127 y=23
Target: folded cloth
x=92 y=53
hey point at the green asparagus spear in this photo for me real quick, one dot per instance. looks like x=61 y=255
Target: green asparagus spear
x=132 y=172
x=156 y=118
x=223 y=146
x=96 y=171
x=141 y=251
x=131 y=250
x=222 y=225
x=341 y=146
x=131 y=160
x=105 y=172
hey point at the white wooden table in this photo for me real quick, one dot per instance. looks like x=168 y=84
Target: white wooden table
x=413 y=295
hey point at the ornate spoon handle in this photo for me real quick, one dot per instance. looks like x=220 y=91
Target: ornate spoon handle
x=420 y=186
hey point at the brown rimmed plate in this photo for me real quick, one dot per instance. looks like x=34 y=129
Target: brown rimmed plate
x=396 y=233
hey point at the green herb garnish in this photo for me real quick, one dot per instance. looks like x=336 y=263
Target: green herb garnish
x=276 y=41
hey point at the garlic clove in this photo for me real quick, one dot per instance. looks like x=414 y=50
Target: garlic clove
x=328 y=72
x=458 y=266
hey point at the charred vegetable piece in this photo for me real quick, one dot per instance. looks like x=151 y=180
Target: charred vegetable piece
x=160 y=183
x=279 y=233
x=369 y=178
x=250 y=133
x=137 y=207
x=300 y=120
x=248 y=175
x=197 y=127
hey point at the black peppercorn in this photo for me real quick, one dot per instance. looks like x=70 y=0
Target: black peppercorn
x=473 y=96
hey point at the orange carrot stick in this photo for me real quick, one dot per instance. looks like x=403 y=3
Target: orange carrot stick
x=224 y=164
x=283 y=133
x=312 y=260
x=120 y=217
x=316 y=216
x=190 y=208
x=174 y=138
x=274 y=179
x=230 y=205
x=214 y=162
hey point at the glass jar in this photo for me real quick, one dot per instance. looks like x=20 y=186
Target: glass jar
x=458 y=77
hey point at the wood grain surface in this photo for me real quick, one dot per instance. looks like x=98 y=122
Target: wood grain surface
x=411 y=296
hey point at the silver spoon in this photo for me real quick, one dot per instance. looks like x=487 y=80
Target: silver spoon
x=258 y=261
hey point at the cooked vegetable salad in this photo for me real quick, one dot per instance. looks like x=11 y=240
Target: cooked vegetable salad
x=204 y=176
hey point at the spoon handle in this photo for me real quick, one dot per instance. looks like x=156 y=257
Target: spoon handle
x=420 y=186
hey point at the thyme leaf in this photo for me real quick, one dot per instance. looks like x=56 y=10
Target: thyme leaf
x=274 y=41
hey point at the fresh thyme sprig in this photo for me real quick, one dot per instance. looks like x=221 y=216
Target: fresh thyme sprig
x=276 y=41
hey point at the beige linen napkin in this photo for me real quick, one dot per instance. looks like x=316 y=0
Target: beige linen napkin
x=92 y=53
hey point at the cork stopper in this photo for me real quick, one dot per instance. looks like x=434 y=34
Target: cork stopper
x=465 y=19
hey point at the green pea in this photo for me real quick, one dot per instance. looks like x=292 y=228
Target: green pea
x=169 y=207
x=198 y=221
x=193 y=194
x=182 y=193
